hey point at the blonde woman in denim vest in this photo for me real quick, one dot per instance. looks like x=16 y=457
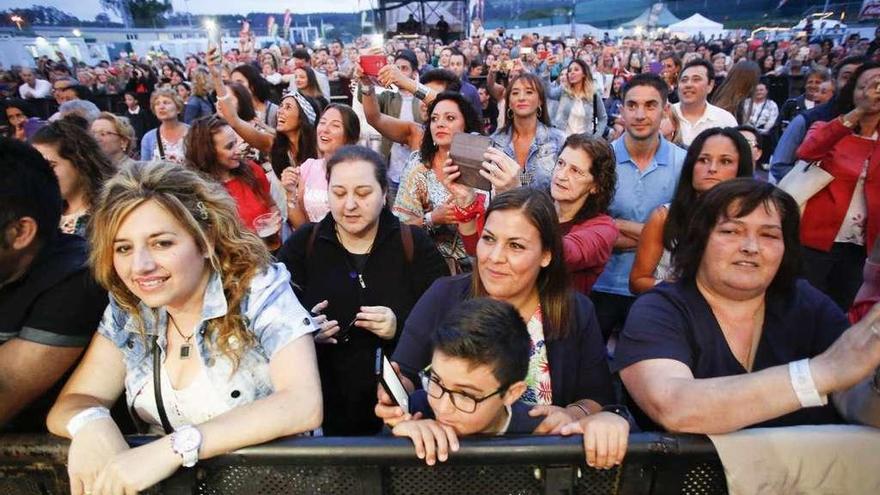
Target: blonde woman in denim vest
x=203 y=334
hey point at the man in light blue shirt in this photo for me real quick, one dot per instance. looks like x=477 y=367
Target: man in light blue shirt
x=648 y=167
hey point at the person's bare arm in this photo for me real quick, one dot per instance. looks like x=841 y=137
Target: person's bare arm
x=648 y=253
x=28 y=370
x=255 y=137
x=667 y=391
x=629 y=234
x=392 y=128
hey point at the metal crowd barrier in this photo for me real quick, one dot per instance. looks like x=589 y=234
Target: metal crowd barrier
x=655 y=464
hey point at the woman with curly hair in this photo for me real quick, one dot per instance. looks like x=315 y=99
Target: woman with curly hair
x=203 y=334
x=81 y=167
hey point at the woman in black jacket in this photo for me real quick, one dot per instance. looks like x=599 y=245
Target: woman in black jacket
x=363 y=271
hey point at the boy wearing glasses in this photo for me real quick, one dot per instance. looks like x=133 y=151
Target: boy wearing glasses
x=474 y=383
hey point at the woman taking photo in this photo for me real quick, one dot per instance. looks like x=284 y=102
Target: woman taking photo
x=583 y=185
x=716 y=155
x=115 y=136
x=293 y=140
x=581 y=109
x=841 y=221
x=364 y=270
x=422 y=198
x=527 y=135
x=166 y=141
x=737 y=340
x=81 y=168
x=249 y=77
x=197 y=307
x=519 y=260
x=306 y=185
x=212 y=149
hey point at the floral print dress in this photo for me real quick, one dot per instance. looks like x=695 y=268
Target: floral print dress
x=538 y=386
x=420 y=192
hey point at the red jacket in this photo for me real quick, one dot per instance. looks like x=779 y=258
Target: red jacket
x=586 y=248
x=843 y=155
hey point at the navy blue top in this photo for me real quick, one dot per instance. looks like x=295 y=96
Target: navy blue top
x=520 y=421
x=578 y=364
x=674 y=321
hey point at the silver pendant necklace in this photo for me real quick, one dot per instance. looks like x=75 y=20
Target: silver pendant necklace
x=186 y=347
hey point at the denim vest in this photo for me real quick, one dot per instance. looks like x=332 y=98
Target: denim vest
x=273 y=315
x=541 y=159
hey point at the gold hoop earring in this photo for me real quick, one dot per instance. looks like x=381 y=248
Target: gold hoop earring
x=510 y=114
x=540 y=111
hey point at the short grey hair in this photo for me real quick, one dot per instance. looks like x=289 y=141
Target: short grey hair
x=82 y=108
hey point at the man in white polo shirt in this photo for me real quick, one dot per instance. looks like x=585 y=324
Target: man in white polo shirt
x=695 y=113
x=32 y=86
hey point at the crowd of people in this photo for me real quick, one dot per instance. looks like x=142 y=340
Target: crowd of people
x=233 y=248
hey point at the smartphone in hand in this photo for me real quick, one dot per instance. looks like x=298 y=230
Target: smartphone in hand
x=390 y=381
x=371 y=64
x=467 y=152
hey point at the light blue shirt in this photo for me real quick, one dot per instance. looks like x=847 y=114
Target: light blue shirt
x=541 y=159
x=271 y=312
x=637 y=195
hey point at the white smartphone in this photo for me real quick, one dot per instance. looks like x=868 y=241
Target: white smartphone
x=390 y=381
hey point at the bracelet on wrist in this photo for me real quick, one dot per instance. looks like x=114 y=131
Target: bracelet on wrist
x=578 y=405
x=427 y=220
x=85 y=417
x=804 y=387
x=469 y=212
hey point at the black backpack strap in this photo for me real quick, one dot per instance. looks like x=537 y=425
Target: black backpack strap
x=310 y=245
x=406 y=238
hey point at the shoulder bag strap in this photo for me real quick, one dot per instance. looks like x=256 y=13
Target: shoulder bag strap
x=157 y=387
x=159 y=144
x=595 y=113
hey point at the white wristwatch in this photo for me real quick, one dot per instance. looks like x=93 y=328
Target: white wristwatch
x=186 y=442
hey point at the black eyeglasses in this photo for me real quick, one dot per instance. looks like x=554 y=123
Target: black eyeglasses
x=462 y=401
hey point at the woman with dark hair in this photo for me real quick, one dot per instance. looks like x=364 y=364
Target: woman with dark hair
x=581 y=109
x=307 y=84
x=519 y=260
x=293 y=140
x=737 y=340
x=81 y=168
x=361 y=270
x=422 y=198
x=716 y=155
x=841 y=222
x=527 y=137
x=250 y=77
x=306 y=185
x=583 y=184
x=21 y=119
x=211 y=148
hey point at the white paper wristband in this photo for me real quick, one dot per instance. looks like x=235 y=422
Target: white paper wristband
x=803 y=384
x=86 y=416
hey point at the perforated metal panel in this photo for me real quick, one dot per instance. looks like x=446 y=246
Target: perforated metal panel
x=705 y=479
x=276 y=480
x=465 y=480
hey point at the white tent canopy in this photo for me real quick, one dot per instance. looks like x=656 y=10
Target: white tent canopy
x=558 y=30
x=696 y=24
x=655 y=16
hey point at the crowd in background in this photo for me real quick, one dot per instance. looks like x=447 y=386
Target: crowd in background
x=619 y=260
